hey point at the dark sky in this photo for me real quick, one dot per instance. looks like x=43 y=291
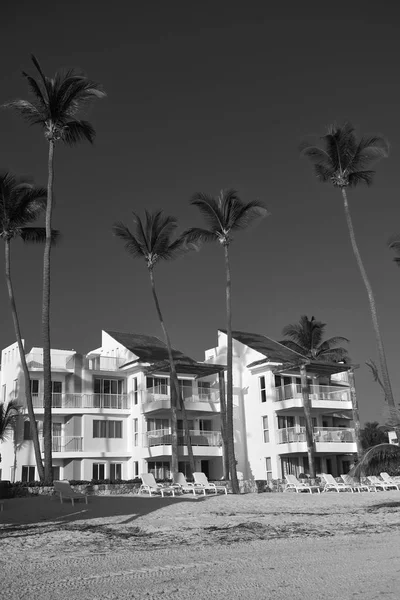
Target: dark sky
x=204 y=96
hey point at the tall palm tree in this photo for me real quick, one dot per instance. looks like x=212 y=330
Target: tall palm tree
x=306 y=338
x=383 y=457
x=152 y=241
x=225 y=214
x=373 y=434
x=21 y=203
x=344 y=161
x=56 y=103
x=8 y=414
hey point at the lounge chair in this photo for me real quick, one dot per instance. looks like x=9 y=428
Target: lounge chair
x=378 y=483
x=64 y=490
x=183 y=486
x=332 y=484
x=201 y=482
x=357 y=486
x=150 y=485
x=387 y=479
x=294 y=484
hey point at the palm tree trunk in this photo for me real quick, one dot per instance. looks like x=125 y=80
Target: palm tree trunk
x=309 y=426
x=372 y=305
x=27 y=381
x=47 y=418
x=175 y=393
x=225 y=458
x=229 y=396
x=356 y=414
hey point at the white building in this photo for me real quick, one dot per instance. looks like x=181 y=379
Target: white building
x=111 y=410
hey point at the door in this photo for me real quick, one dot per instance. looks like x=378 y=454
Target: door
x=56 y=391
x=205 y=468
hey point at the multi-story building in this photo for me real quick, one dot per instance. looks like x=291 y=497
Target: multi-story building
x=111 y=410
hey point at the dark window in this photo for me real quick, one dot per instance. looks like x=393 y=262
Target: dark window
x=115 y=471
x=28 y=473
x=27 y=430
x=266 y=429
x=56 y=473
x=99 y=471
x=135 y=390
x=107 y=429
x=263 y=392
x=34 y=386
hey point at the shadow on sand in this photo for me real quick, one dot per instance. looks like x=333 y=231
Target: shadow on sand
x=45 y=509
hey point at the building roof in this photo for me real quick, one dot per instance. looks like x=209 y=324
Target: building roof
x=274 y=351
x=147 y=348
x=183 y=368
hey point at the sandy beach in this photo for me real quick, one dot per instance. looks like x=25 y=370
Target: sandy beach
x=274 y=546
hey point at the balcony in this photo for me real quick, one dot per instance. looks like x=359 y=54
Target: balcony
x=324 y=397
x=162 y=437
x=65 y=444
x=103 y=363
x=84 y=401
x=63 y=362
x=154 y=399
x=327 y=439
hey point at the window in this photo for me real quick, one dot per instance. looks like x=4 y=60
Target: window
x=107 y=429
x=135 y=390
x=107 y=392
x=268 y=468
x=56 y=393
x=135 y=432
x=28 y=473
x=266 y=429
x=99 y=470
x=115 y=471
x=135 y=469
x=160 y=470
x=205 y=425
x=56 y=473
x=185 y=386
x=284 y=422
x=27 y=430
x=263 y=392
x=156 y=424
x=158 y=385
x=34 y=387
x=204 y=388
x=15 y=389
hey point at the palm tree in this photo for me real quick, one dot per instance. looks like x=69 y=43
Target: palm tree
x=55 y=105
x=152 y=240
x=20 y=204
x=306 y=338
x=383 y=457
x=373 y=434
x=8 y=414
x=225 y=214
x=343 y=161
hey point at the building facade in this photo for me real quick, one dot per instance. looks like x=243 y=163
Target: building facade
x=111 y=411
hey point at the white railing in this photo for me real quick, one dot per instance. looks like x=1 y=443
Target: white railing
x=160 y=437
x=34 y=360
x=103 y=363
x=111 y=401
x=321 y=434
x=65 y=443
x=316 y=392
x=189 y=394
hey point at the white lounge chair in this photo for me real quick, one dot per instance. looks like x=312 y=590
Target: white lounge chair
x=201 y=482
x=150 y=485
x=294 y=484
x=64 y=490
x=332 y=484
x=357 y=486
x=184 y=486
x=387 y=479
x=378 y=483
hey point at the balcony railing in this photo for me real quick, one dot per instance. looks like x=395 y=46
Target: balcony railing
x=317 y=392
x=111 y=401
x=321 y=434
x=34 y=360
x=103 y=363
x=161 y=437
x=65 y=444
x=155 y=394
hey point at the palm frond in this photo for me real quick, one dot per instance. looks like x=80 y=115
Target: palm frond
x=334 y=341
x=323 y=174
x=28 y=111
x=36 y=90
x=178 y=248
x=132 y=245
x=361 y=177
x=210 y=210
x=394 y=244
x=378 y=459
x=45 y=80
x=76 y=131
x=37 y=235
x=315 y=154
x=293 y=346
x=244 y=214
x=196 y=235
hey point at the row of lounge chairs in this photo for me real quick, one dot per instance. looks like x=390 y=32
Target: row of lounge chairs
x=149 y=485
x=348 y=484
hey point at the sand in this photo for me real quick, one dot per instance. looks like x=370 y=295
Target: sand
x=269 y=545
